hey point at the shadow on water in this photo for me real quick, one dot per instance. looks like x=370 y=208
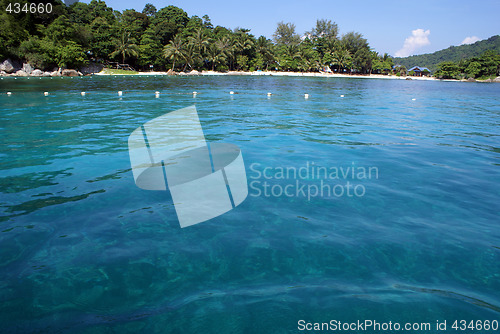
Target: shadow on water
x=31 y=206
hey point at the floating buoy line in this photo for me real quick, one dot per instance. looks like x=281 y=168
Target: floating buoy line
x=158 y=93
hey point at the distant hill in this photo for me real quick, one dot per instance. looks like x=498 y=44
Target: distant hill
x=453 y=53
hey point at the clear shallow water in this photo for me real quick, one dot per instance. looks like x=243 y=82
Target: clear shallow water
x=83 y=250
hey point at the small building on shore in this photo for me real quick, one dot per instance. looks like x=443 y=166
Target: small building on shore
x=419 y=71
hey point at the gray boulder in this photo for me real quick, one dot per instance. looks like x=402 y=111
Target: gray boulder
x=7 y=66
x=69 y=73
x=37 y=73
x=497 y=79
x=55 y=74
x=46 y=74
x=27 y=68
x=21 y=73
x=92 y=68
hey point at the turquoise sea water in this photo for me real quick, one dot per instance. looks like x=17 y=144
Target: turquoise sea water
x=83 y=250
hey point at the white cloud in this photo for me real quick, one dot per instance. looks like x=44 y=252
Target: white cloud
x=470 y=40
x=418 y=38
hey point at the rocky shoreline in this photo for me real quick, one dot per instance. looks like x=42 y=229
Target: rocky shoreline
x=9 y=68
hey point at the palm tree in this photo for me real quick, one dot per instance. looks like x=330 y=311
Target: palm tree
x=264 y=48
x=215 y=55
x=341 y=58
x=225 y=45
x=292 y=51
x=329 y=45
x=125 y=47
x=243 y=43
x=200 y=41
x=174 y=50
x=308 y=58
x=228 y=45
x=189 y=55
x=289 y=56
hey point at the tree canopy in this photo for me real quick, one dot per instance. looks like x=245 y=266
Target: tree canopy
x=167 y=38
x=485 y=66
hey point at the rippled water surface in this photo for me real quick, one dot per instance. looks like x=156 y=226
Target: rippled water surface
x=83 y=250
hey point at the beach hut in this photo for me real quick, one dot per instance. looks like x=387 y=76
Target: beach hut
x=419 y=71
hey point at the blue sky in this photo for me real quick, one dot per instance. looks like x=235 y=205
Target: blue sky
x=400 y=27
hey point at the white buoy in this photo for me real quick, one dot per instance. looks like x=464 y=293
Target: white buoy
x=9 y=93
x=306 y=96
x=194 y=93
x=341 y=95
x=413 y=99
x=120 y=93
x=82 y=93
x=157 y=94
x=46 y=93
x=269 y=94
x=231 y=92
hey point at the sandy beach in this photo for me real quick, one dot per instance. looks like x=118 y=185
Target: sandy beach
x=283 y=74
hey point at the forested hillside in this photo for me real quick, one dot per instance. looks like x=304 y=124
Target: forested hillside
x=453 y=53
